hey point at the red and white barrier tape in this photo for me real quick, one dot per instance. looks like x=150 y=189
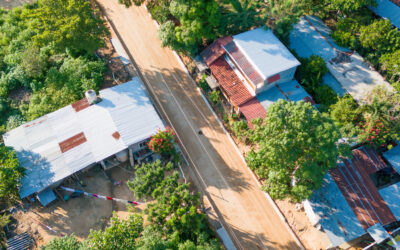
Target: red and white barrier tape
x=100 y=196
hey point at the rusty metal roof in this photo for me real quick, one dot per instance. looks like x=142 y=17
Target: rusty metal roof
x=63 y=142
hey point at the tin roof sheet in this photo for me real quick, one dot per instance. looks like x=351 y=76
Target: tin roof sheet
x=389 y=9
x=125 y=109
x=393 y=157
x=378 y=233
x=290 y=91
x=391 y=195
x=265 y=51
x=336 y=216
x=310 y=36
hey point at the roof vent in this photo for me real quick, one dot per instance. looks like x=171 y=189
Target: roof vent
x=91 y=96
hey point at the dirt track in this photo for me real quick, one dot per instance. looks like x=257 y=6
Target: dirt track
x=9 y=4
x=253 y=223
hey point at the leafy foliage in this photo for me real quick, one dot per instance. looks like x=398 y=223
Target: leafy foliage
x=215 y=97
x=310 y=72
x=390 y=63
x=120 y=234
x=46 y=52
x=4 y=220
x=148 y=177
x=296 y=145
x=68 y=242
x=346 y=115
x=346 y=6
x=381 y=118
x=79 y=30
x=163 y=142
x=10 y=174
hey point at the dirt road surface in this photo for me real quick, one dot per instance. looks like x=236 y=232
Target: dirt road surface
x=253 y=222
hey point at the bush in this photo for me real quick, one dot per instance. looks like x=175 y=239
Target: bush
x=215 y=97
x=163 y=142
x=203 y=84
x=390 y=63
x=68 y=242
x=310 y=72
x=239 y=129
x=346 y=115
x=325 y=95
x=10 y=175
x=14 y=121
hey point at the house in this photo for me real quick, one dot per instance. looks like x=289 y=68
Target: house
x=360 y=196
x=348 y=72
x=388 y=9
x=254 y=69
x=117 y=124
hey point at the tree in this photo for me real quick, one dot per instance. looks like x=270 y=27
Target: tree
x=310 y=72
x=380 y=37
x=346 y=6
x=10 y=174
x=380 y=122
x=68 y=242
x=148 y=177
x=346 y=115
x=68 y=24
x=242 y=16
x=175 y=210
x=296 y=146
x=33 y=62
x=120 y=234
x=390 y=63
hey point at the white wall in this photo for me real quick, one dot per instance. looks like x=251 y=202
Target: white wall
x=286 y=76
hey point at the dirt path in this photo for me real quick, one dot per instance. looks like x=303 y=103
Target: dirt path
x=253 y=222
x=9 y=4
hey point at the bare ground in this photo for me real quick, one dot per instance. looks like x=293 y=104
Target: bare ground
x=9 y=4
x=77 y=215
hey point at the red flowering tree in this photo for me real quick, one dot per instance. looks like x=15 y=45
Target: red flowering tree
x=375 y=133
x=163 y=142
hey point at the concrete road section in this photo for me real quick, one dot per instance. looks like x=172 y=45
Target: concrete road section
x=248 y=215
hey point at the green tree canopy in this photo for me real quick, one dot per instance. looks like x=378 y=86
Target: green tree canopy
x=68 y=24
x=68 y=242
x=148 y=177
x=296 y=145
x=10 y=174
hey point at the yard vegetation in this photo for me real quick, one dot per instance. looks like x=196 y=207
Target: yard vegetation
x=172 y=220
x=47 y=58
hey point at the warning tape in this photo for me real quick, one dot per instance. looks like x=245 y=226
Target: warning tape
x=48 y=227
x=100 y=196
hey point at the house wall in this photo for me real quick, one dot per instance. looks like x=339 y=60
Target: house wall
x=285 y=76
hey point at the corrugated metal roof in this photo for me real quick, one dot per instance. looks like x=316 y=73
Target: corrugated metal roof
x=266 y=53
x=336 y=216
x=20 y=242
x=360 y=192
x=290 y=91
x=245 y=65
x=311 y=37
x=378 y=233
x=393 y=157
x=391 y=195
x=46 y=197
x=390 y=10
x=125 y=109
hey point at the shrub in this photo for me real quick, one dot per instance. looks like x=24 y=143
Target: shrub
x=240 y=128
x=14 y=121
x=325 y=95
x=215 y=97
x=310 y=72
x=203 y=84
x=390 y=63
x=68 y=242
x=163 y=142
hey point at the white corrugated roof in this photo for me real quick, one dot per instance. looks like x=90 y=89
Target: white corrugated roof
x=125 y=109
x=264 y=50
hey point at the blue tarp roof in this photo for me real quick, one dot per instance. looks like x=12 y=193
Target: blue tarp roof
x=292 y=89
x=391 y=195
x=46 y=197
x=393 y=157
x=336 y=217
x=388 y=9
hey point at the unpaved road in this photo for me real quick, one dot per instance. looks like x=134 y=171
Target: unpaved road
x=252 y=221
